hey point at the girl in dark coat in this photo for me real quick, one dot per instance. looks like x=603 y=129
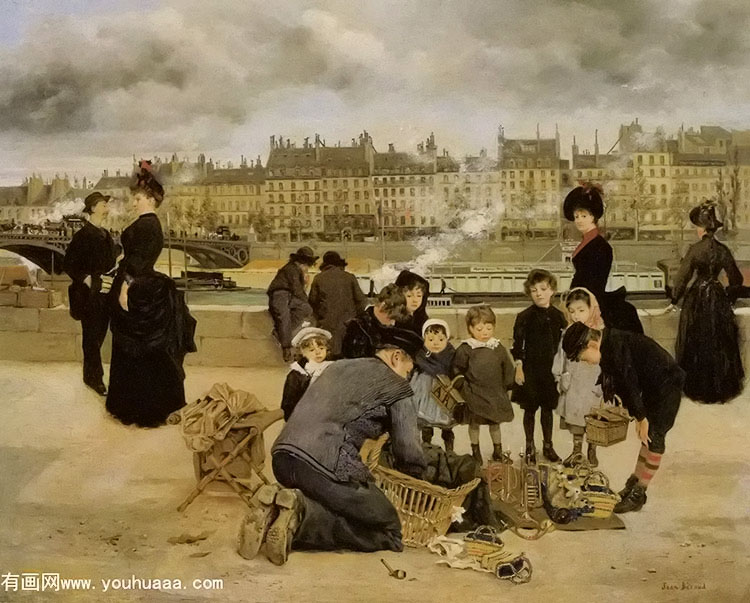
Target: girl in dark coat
x=488 y=371
x=152 y=329
x=335 y=297
x=707 y=342
x=592 y=259
x=536 y=337
x=416 y=290
x=313 y=346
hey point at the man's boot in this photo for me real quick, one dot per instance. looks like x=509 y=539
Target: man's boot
x=577 y=447
x=476 y=453
x=281 y=534
x=530 y=456
x=256 y=523
x=427 y=435
x=549 y=453
x=632 y=481
x=634 y=501
x=591 y=455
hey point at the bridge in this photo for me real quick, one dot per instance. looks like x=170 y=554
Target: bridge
x=48 y=250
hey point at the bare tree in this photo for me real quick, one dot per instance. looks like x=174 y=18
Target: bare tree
x=641 y=200
x=733 y=196
x=679 y=206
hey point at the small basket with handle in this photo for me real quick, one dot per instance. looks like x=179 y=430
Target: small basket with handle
x=607 y=424
x=597 y=493
x=446 y=392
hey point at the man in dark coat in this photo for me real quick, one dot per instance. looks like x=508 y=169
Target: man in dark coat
x=336 y=504
x=287 y=300
x=91 y=253
x=335 y=297
x=649 y=382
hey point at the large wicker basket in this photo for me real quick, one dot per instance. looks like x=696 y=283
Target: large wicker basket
x=607 y=424
x=424 y=509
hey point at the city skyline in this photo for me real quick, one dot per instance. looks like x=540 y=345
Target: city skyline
x=89 y=84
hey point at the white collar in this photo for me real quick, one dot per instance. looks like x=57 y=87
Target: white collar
x=491 y=343
x=313 y=369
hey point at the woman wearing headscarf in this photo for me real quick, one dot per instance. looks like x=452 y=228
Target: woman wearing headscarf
x=152 y=329
x=707 y=347
x=592 y=259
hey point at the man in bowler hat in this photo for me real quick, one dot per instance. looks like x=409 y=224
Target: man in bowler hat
x=287 y=300
x=91 y=253
x=335 y=297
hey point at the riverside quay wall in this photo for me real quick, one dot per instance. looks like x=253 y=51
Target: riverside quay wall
x=240 y=336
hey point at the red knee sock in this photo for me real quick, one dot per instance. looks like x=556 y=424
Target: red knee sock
x=641 y=460
x=645 y=472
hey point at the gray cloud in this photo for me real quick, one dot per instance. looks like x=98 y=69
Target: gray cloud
x=222 y=76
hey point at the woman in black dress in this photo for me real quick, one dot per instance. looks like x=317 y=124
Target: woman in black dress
x=707 y=347
x=152 y=329
x=592 y=259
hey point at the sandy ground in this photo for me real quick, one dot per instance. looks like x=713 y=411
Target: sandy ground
x=86 y=497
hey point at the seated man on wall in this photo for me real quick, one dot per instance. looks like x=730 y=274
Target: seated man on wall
x=336 y=504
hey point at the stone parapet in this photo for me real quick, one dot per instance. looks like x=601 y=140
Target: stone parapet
x=241 y=336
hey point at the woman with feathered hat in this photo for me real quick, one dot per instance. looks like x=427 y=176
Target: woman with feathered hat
x=707 y=347
x=152 y=329
x=592 y=259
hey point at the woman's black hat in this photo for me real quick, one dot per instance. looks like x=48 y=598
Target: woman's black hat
x=304 y=255
x=332 y=258
x=704 y=216
x=588 y=197
x=145 y=180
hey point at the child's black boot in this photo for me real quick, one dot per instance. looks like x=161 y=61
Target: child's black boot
x=448 y=439
x=549 y=453
x=632 y=481
x=476 y=453
x=591 y=455
x=497 y=452
x=577 y=447
x=634 y=501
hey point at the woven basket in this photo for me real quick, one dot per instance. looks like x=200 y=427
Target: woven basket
x=446 y=392
x=598 y=494
x=607 y=424
x=424 y=509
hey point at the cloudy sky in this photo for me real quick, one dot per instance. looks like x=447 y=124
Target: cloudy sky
x=88 y=84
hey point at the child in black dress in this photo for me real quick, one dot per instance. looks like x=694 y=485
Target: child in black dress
x=488 y=370
x=536 y=337
x=312 y=346
x=648 y=380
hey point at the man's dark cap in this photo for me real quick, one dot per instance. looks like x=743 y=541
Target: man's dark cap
x=89 y=203
x=404 y=339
